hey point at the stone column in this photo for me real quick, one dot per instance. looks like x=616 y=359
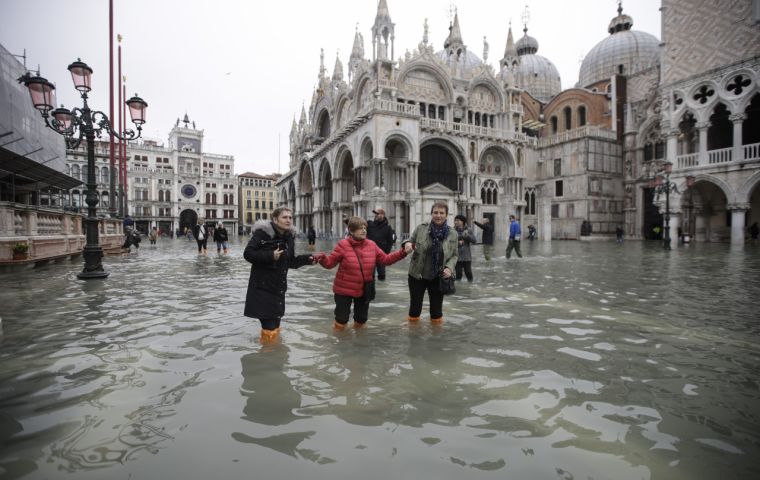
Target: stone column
x=675 y=222
x=738 y=211
x=544 y=218
x=671 y=152
x=737 y=153
x=702 y=127
x=701 y=230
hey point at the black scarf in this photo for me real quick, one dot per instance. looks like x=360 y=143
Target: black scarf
x=438 y=235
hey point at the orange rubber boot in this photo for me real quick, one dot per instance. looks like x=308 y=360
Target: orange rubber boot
x=339 y=326
x=268 y=337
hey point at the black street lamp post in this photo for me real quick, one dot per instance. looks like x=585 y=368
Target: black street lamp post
x=75 y=125
x=662 y=184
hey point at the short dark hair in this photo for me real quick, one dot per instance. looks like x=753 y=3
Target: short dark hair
x=355 y=223
x=461 y=217
x=279 y=210
x=512 y=217
x=440 y=204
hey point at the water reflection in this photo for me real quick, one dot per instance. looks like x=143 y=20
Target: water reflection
x=577 y=361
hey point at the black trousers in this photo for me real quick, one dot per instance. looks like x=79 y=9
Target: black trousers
x=380 y=270
x=514 y=245
x=343 y=309
x=269 y=323
x=467 y=267
x=201 y=244
x=417 y=290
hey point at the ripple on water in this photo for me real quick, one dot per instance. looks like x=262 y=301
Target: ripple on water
x=482 y=362
x=580 y=331
x=560 y=321
x=582 y=354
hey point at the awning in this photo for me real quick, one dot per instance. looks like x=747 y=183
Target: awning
x=32 y=175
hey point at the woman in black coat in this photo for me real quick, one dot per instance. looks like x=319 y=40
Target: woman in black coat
x=271 y=252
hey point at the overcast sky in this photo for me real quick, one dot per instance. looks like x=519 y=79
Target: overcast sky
x=242 y=69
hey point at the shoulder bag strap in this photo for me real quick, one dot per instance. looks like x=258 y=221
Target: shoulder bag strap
x=358 y=258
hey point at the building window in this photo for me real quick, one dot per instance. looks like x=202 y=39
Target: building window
x=249 y=217
x=558 y=188
x=256 y=204
x=554 y=125
x=555 y=210
x=557 y=167
x=581 y=116
x=568 y=113
x=248 y=203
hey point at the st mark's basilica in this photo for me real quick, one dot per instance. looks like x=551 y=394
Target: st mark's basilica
x=493 y=137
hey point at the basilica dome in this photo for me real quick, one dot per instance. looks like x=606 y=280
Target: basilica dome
x=465 y=63
x=535 y=74
x=624 y=52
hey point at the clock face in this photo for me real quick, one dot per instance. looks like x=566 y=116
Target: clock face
x=189 y=191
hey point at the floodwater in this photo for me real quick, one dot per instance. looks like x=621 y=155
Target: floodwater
x=580 y=361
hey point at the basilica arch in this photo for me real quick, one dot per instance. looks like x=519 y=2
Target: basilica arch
x=398 y=152
x=323 y=124
x=305 y=196
x=325 y=194
x=344 y=187
x=292 y=196
x=187 y=220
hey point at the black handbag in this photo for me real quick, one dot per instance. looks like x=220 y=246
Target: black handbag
x=368 y=291
x=446 y=285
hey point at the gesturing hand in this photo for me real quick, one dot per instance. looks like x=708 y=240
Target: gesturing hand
x=277 y=253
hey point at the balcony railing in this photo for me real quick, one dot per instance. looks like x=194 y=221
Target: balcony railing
x=469 y=129
x=719 y=156
x=576 y=133
x=752 y=151
x=688 y=160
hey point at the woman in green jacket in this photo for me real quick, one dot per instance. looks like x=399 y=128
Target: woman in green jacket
x=435 y=253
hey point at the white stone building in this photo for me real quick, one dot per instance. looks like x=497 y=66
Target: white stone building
x=446 y=125
x=169 y=187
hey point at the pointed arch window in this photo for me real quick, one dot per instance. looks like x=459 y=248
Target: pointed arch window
x=489 y=193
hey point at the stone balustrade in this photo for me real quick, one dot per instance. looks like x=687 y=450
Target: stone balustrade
x=50 y=233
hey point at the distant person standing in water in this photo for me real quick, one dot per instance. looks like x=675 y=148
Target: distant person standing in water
x=200 y=232
x=487 y=238
x=221 y=238
x=514 y=237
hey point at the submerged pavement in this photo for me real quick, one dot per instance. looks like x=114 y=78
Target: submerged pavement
x=581 y=360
